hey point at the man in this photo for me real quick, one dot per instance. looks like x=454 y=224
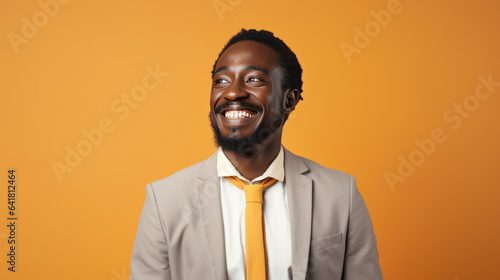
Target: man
x=199 y=224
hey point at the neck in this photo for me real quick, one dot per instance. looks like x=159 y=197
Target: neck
x=254 y=162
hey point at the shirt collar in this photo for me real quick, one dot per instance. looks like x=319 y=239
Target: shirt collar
x=276 y=170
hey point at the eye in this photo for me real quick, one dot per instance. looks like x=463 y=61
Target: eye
x=253 y=79
x=219 y=81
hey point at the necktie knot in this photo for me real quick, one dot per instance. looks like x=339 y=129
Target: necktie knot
x=253 y=193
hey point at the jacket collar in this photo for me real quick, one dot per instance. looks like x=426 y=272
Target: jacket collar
x=299 y=192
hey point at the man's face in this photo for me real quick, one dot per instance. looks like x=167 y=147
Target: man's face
x=246 y=97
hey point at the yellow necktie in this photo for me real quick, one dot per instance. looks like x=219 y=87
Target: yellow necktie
x=254 y=227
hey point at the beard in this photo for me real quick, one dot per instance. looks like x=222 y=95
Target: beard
x=245 y=144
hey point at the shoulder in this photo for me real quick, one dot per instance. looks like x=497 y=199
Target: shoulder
x=180 y=176
x=320 y=174
x=323 y=171
x=183 y=182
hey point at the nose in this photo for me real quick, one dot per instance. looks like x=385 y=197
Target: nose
x=235 y=91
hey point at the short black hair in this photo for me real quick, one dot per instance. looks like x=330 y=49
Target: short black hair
x=287 y=59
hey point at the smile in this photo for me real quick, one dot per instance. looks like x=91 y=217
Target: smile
x=239 y=114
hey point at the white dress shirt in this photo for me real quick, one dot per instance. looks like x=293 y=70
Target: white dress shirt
x=276 y=219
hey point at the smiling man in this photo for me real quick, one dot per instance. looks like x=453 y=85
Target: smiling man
x=254 y=210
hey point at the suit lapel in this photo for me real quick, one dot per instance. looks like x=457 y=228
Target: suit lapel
x=299 y=192
x=208 y=193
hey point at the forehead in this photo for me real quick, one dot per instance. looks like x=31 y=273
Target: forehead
x=249 y=52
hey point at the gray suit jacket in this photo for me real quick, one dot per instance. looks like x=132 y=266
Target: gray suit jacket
x=181 y=236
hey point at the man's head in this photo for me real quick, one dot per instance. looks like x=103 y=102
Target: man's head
x=256 y=83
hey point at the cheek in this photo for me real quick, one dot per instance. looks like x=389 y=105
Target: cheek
x=213 y=99
x=273 y=103
x=215 y=95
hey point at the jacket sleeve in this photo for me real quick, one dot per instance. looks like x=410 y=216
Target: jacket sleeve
x=150 y=255
x=361 y=256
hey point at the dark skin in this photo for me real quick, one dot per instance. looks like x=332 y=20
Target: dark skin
x=248 y=71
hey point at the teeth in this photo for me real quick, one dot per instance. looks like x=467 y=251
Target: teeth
x=238 y=115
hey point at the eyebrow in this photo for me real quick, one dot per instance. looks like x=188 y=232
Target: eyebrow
x=250 y=67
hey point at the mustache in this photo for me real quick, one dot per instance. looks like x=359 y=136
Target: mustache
x=258 y=108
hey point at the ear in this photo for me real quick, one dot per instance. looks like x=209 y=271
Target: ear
x=290 y=101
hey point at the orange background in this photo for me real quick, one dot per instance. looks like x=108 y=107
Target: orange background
x=358 y=116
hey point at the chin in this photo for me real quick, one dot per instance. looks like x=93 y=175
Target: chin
x=235 y=141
